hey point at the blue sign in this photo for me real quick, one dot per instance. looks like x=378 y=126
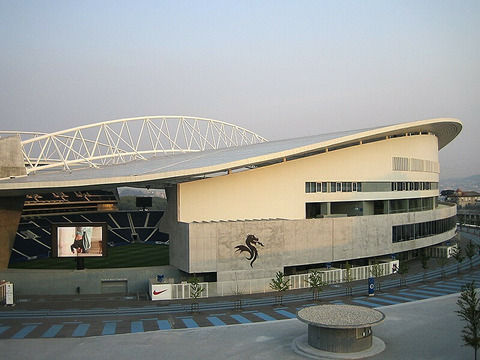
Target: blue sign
x=371 y=286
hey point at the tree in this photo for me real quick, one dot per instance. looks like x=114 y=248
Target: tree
x=424 y=259
x=442 y=261
x=457 y=255
x=348 y=278
x=470 y=312
x=376 y=271
x=316 y=283
x=470 y=251
x=237 y=292
x=280 y=284
x=196 y=290
x=403 y=271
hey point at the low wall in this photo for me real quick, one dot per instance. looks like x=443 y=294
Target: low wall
x=88 y=281
x=136 y=280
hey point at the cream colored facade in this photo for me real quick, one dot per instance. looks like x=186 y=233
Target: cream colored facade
x=278 y=191
x=214 y=215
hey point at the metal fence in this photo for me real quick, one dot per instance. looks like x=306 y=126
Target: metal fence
x=253 y=286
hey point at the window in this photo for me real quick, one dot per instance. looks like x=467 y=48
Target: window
x=324 y=187
x=310 y=187
x=424 y=229
x=339 y=187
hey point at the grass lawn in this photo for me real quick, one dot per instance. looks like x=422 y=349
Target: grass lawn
x=132 y=255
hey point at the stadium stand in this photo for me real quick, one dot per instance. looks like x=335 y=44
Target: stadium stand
x=33 y=239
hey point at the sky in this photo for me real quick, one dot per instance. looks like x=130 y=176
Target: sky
x=282 y=69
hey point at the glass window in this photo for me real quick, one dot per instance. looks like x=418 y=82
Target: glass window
x=354 y=186
x=319 y=187
x=359 y=186
x=339 y=186
x=333 y=187
x=324 y=187
x=310 y=187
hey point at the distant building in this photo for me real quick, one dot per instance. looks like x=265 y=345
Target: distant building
x=464 y=198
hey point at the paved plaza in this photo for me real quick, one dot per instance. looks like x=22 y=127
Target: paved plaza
x=427 y=329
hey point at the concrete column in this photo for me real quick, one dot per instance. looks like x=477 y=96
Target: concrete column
x=10 y=212
x=11 y=164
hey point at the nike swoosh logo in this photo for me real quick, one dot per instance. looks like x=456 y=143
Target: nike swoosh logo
x=155 y=292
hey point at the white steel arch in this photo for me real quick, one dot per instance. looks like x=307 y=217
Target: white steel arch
x=123 y=140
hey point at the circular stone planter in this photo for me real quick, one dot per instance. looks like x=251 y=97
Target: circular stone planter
x=341 y=328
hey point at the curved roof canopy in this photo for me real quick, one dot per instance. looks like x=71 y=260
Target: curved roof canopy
x=242 y=151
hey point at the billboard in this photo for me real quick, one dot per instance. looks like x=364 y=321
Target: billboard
x=79 y=240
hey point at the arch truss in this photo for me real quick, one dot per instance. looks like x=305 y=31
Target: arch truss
x=124 y=140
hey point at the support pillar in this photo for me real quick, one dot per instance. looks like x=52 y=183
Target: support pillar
x=11 y=165
x=10 y=212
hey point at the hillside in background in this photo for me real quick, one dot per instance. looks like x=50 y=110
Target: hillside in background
x=470 y=183
x=128 y=198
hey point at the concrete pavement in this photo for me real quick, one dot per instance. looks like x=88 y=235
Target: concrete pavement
x=427 y=329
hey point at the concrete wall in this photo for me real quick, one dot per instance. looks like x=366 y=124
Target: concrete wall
x=11 y=164
x=278 y=191
x=177 y=232
x=11 y=157
x=65 y=282
x=212 y=246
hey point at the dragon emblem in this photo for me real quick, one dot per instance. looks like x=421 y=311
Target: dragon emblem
x=250 y=247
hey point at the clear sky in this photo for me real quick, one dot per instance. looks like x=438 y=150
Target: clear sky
x=279 y=68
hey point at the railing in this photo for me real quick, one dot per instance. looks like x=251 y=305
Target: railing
x=335 y=276
x=3 y=290
x=182 y=291
x=252 y=286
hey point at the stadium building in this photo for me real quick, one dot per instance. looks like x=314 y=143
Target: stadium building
x=240 y=207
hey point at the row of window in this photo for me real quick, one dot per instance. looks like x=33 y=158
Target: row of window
x=419 y=230
x=372 y=186
x=413 y=185
x=410 y=164
x=312 y=187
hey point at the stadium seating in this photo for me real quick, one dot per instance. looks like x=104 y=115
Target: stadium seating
x=33 y=239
